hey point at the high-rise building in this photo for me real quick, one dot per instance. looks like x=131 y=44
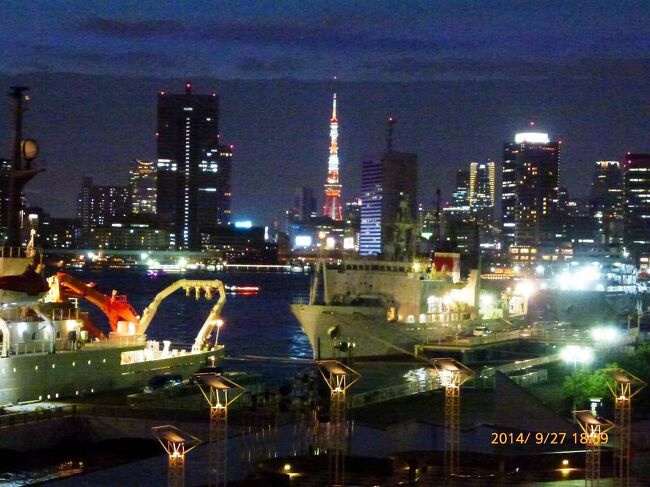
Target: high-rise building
x=482 y=190
x=98 y=205
x=637 y=202
x=214 y=187
x=460 y=196
x=531 y=180
x=304 y=204
x=142 y=187
x=191 y=163
x=332 y=207
x=607 y=202
x=371 y=197
x=389 y=205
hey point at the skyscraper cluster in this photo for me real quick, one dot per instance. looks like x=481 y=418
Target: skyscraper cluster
x=174 y=201
x=181 y=200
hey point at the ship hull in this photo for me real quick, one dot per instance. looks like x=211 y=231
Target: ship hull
x=372 y=334
x=69 y=374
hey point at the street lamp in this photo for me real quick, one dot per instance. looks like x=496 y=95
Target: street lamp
x=219 y=324
x=176 y=443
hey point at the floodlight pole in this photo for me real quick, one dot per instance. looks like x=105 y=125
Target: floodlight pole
x=176 y=466
x=625 y=387
x=452 y=425
x=176 y=443
x=452 y=374
x=215 y=390
x=218 y=448
x=593 y=430
x=336 y=377
x=622 y=415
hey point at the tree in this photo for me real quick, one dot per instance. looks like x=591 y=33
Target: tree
x=582 y=385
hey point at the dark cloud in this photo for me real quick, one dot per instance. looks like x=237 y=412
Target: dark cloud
x=133 y=29
x=257 y=65
x=317 y=36
x=45 y=57
x=512 y=69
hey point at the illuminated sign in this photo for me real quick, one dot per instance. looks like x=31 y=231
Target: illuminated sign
x=532 y=137
x=348 y=243
x=302 y=241
x=244 y=224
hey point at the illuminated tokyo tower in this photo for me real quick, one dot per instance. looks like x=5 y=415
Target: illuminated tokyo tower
x=332 y=208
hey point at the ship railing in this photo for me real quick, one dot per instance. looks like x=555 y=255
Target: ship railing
x=35 y=346
x=7 y=252
x=531 y=378
x=40 y=414
x=521 y=365
x=119 y=340
x=392 y=392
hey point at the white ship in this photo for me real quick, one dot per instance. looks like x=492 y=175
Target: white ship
x=379 y=308
x=50 y=349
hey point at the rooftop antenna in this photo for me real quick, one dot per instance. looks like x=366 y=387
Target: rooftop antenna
x=391 y=124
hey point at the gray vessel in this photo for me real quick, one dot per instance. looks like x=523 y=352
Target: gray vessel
x=373 y=308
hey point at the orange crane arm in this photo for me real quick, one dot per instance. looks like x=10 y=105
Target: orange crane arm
x=115 y=307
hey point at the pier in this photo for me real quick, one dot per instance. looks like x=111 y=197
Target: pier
x=551 y=336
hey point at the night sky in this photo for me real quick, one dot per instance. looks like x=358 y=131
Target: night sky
x=461 y=78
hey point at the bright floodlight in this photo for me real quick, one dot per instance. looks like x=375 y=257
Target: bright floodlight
x=532 y=137
x=487 y=299
x=577 y=354
x=605 y=334
x=446 y=378
x=525 y=288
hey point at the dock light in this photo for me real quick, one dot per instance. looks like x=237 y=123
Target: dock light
x=287 y=467
x=216 y=338
x=487 y=299
x=565 y=462
x=525 y=288
x=577 y=354
x=605 y=334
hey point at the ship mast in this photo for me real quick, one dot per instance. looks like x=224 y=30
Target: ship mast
x=23 y=152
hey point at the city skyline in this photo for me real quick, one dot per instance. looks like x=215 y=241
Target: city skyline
x=245 y=194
